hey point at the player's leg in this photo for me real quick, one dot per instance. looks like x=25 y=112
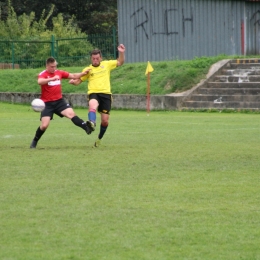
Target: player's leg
x=93 y=105
x=69 y=113
x=103 y=128
x=46 y=117
x=62 y=108
x=45 y=121
x=104 y=109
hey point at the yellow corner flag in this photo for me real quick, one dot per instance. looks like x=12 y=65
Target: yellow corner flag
x=149 y=68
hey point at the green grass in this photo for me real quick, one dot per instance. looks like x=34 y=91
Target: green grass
x=171 y=185
x=167 y=77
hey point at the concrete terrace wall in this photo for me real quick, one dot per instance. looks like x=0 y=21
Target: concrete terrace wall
x=135 y=102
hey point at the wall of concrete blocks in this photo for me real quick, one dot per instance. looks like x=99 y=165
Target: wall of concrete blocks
x=134 y=102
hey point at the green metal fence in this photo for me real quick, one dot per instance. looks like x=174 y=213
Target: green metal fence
x=68 y=52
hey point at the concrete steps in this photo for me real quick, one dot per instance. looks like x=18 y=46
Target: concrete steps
x=226 y=98
x=230 y=91
x=235 y=86
x=222 y=105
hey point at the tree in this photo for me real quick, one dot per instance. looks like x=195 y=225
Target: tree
x=35 y=36
x=96 y=16
x=91 y=16
x=26 y=26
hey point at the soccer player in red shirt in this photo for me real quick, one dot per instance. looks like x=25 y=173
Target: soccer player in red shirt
x=51 y=94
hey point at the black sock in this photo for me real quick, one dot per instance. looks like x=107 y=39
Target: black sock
x=79 y=122
x=102 y=131
x=38 y=134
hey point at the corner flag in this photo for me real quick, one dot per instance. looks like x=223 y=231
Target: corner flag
x=149 y=68
x=147 y=72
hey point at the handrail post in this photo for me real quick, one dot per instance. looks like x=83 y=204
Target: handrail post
x=13 y=54
x=114 y=41
x=52 y=46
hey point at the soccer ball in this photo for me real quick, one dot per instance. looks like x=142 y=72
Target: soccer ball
x=37 y=105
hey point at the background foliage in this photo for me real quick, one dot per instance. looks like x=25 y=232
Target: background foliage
x=28 y=33
x=90 y=16
x=22 y=36
x=32 y=26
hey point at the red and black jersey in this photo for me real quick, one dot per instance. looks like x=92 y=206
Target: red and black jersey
x=52 y=90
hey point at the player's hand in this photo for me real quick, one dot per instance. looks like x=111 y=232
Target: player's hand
x=56 y=77
x=85 y=72
x=121 y=48
x=75 y=82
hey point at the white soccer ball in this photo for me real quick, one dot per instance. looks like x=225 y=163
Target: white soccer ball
x=37 y=105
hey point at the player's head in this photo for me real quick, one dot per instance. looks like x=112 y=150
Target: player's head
x=51 y=64
x=96 y=57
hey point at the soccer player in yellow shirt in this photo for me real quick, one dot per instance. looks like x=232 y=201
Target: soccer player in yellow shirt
x=99 y=88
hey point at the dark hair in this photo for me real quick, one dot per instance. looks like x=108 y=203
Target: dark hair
x=50 y=60
x=95 y=52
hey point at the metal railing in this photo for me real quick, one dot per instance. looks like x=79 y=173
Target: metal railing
x=68 y=52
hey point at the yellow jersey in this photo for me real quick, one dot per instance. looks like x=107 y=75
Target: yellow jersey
x=99 y=77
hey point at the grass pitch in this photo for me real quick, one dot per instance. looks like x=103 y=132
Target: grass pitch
x=172 y=185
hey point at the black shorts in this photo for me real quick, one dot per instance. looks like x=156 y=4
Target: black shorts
x=55 y=107
x=104 y=102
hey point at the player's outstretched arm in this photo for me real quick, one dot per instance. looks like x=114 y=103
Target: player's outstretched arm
x=75 y=81
x=43 y=81
x=121 y=57
x=78 y=75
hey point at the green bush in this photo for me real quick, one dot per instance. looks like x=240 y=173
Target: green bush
x=23 y=39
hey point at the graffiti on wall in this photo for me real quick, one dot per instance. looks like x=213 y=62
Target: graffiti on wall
x=255 y=18
x=254 y=34
x=144 y=21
